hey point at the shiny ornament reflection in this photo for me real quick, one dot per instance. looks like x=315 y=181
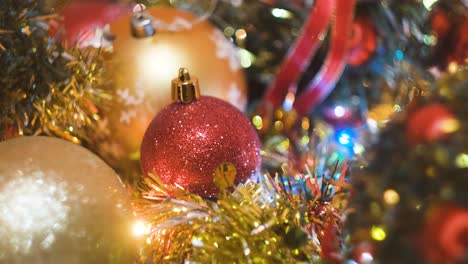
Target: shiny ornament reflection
x=142 y=69
x=59 y=203
x=188 y=141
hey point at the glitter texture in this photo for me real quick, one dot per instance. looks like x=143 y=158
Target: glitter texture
x=59 y=203
x=185 y=143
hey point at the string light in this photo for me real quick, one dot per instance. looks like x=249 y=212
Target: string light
x=339 y=111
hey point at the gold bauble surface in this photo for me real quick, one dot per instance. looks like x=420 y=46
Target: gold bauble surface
x=142 y=69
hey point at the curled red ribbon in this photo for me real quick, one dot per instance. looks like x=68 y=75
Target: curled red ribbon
x=300 y=54
x=324 y=82
x=306 y=46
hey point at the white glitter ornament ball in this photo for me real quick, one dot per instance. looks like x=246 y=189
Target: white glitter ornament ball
x=59 y=203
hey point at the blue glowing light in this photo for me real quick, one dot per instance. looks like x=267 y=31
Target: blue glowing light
x=399 y=54
x=344 y=139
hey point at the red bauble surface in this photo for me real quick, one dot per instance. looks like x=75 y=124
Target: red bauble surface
x=445 y=237
x=440 y=23
x=460 y=53
x=430 y=123
x=82 y=18
x=185 y=144
x=363 y=253
x=363 y=43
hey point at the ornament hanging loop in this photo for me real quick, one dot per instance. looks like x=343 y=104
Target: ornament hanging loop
x=185 y=88
x=141 y=25
x=144 y=25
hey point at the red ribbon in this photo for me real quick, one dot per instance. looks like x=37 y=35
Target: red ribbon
x=324 y=82
x=306 y=46
x=300 y=54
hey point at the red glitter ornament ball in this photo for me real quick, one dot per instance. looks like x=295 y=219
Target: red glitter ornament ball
x=430 y=123
x=189 y=139
x=445 y=234
x=83 y=19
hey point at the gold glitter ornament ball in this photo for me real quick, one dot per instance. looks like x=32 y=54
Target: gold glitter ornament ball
x=59 y=203
x=147 y=50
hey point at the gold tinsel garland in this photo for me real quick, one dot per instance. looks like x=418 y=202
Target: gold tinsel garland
x=46 y=88
x=261 y=222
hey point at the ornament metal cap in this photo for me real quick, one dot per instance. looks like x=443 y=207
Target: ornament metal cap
x=185 y=89
x=141 y=25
